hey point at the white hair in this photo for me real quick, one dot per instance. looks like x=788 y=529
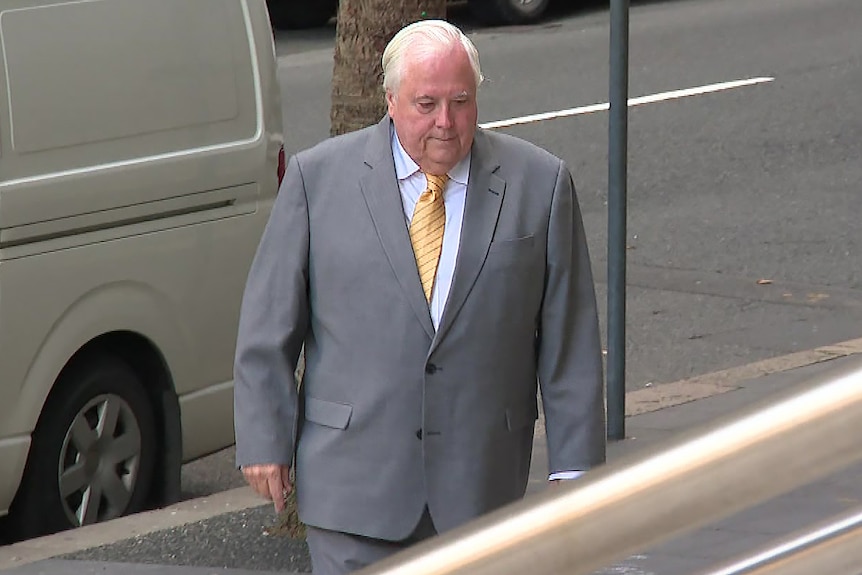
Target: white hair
x=422 y=38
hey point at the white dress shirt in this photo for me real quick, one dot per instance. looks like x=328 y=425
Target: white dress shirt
x=412 y=183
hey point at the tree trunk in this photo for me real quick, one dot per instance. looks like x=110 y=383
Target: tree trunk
x=363 y=29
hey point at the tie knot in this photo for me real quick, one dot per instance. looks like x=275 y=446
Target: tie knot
x=436 y=184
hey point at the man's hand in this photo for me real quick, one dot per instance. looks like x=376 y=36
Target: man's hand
x=270 y=481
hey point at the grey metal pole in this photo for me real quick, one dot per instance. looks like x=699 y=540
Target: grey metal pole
x=617 y=169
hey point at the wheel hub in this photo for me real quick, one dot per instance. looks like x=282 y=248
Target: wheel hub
x=99 y=461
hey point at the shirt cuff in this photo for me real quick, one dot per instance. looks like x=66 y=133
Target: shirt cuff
x=565 y=475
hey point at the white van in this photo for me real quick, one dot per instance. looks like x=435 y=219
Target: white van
x=140 y=152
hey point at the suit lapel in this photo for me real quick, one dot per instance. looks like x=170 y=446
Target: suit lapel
x=380 y=188
x=484 y=197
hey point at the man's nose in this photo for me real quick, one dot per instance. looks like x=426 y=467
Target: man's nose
x=444 y=117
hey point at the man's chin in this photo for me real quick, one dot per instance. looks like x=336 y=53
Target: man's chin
x=448 y=156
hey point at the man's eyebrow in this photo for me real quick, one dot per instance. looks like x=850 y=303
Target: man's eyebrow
x=464 y=94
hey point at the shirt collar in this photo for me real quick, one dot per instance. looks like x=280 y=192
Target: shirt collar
x=406 y=167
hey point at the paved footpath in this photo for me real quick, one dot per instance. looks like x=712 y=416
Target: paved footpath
x=227 y=533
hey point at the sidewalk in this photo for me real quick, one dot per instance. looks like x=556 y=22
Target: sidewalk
x=233 y=542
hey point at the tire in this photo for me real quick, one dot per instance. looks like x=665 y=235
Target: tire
x=508 y=11
x=299 y=14
x=92 y=455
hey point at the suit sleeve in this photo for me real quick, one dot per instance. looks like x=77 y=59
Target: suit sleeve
x=272 y=327
x=569 y=345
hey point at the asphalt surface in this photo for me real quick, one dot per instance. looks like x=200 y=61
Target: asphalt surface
x=238 y=540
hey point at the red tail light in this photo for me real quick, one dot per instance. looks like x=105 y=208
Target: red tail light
x=281 y=165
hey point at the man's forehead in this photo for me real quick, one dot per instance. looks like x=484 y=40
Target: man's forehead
x=431 y=80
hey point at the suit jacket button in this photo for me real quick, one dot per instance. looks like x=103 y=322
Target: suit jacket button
x=430 y=369
x=418 y=434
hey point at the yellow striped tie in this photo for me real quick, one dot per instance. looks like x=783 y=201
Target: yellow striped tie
x=426 y=230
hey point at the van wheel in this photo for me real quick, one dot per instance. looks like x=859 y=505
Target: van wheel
x=508 y=11
x=92 y=454
x=297 y=14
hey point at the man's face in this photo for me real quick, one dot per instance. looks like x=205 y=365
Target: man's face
x=434 y=109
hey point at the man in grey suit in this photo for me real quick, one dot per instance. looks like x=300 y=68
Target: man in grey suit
x=434 y=272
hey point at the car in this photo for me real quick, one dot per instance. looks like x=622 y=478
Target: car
x=140 y=154
x=297 y=14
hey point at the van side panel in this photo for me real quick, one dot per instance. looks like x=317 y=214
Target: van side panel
x=81 y=86
x=179 y=287
x=138 y=152
x=96 y=87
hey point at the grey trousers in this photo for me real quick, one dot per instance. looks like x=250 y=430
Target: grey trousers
x=336 y=553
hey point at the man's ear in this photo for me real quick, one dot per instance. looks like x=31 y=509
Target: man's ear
x=390 y=102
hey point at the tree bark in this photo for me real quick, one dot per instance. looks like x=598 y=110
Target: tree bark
x=363 y=29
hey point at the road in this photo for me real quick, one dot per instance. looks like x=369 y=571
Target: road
x=744 y=204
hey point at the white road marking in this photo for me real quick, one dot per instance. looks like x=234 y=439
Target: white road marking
x=650 y=99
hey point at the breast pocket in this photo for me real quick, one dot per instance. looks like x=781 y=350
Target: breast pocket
x=514 y=251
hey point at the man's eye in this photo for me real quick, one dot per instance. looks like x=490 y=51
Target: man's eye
x=425 y=106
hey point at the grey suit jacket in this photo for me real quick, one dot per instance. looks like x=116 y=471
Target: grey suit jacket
x=392 y=416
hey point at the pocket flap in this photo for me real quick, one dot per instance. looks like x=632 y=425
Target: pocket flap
x=328 y=413
x=524 y=243
x=522 y=415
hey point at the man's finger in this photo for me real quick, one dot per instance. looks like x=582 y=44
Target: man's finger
x=277 y=491
x=260 y=476
x=254 y=482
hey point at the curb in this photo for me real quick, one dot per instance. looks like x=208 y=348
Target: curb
x=665 y=395
x=130 y=526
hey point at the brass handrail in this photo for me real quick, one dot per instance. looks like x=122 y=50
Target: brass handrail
x=832 y=548
x=630 y=505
